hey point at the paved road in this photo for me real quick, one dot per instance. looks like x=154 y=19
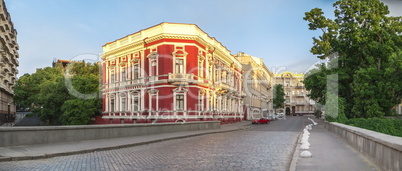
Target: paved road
x=262 y=147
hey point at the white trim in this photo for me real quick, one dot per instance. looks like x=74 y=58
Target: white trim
x=175 y=100
x=183 y=58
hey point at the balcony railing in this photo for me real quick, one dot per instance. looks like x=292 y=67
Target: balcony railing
x=299 y=87
x=181 y=79
x=222 y=85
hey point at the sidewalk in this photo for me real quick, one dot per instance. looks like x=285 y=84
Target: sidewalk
x=59 y=149
x=330 y=153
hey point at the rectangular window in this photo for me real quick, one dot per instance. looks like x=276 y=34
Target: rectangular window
x=222 y=105
x=179 y=66
x=211 y=102
x=112 y=77
x=201 y=103
x=179 y=102
x=201 y=68
x=123 y=75
x=216 y=107
x=136 y=104
x=112 y=105
x=123 y=104
x=210 y=76
x=135 y=71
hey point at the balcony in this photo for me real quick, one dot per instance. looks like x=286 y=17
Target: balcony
x=299 y=87
x=180 y=79
x=299 y=95
x=222 y=85
x=300 y=104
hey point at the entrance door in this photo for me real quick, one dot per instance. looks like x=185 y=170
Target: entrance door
x=293 y=110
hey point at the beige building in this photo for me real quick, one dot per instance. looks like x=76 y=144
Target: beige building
x=257 y=86
x=296 y=100
x=8 y=64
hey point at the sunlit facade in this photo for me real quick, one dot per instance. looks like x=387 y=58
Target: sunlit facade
x=170 y=73
x=296 y=100
x=257 y=86
x=8 y=64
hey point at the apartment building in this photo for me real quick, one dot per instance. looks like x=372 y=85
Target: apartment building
x=297 y=102
x=8 y=64
x=257 y=85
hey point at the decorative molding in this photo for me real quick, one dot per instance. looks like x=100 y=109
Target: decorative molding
x=202 y=91
x=177 y=53
x=153 y=91
x=123 y=63
x=153 y=55
x=180 y=89
x=135 y=91
x=135 y=60
x=123 y=94
x=111 y=95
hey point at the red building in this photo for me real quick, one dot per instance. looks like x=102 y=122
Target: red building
x=170 y=73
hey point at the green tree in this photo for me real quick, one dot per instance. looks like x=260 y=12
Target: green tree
x=78 y=111
x=335 y=109
x=24 y=91
x=315 y=81
x=279 y=96
x=85 y=80
x=45 y=92
x=366 y=44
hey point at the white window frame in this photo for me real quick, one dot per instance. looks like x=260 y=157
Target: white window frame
x=136 y=107
x=179 y=56
x=123 y=102
x=112 y=104
x=179 y=68
x=176 y=107
x=153 y=65
x=136 y=72
x=123 y=75
x=201 y=68
x=112 y=76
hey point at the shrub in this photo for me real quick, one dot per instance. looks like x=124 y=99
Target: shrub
x=387 y=126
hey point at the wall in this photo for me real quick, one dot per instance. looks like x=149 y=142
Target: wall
x=14 y=136
x=383 y=150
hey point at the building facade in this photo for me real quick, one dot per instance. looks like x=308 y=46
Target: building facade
x=296 y=100
x=257 y=85
x=170 y=73
x=8 y=64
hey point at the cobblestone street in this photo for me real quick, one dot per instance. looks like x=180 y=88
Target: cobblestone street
x=262 y=147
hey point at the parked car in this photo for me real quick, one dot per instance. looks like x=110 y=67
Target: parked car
x=281 y=115
x=261 y=121
x=272 y=117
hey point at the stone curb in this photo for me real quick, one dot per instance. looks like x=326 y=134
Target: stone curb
x=50 y=155
x=296 y=151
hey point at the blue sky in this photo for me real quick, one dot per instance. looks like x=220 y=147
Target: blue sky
x=66 y=29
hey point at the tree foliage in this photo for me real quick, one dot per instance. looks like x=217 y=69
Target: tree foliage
x=335 y=109
x=279 y=96
x=365 y=46
x=46 y=94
